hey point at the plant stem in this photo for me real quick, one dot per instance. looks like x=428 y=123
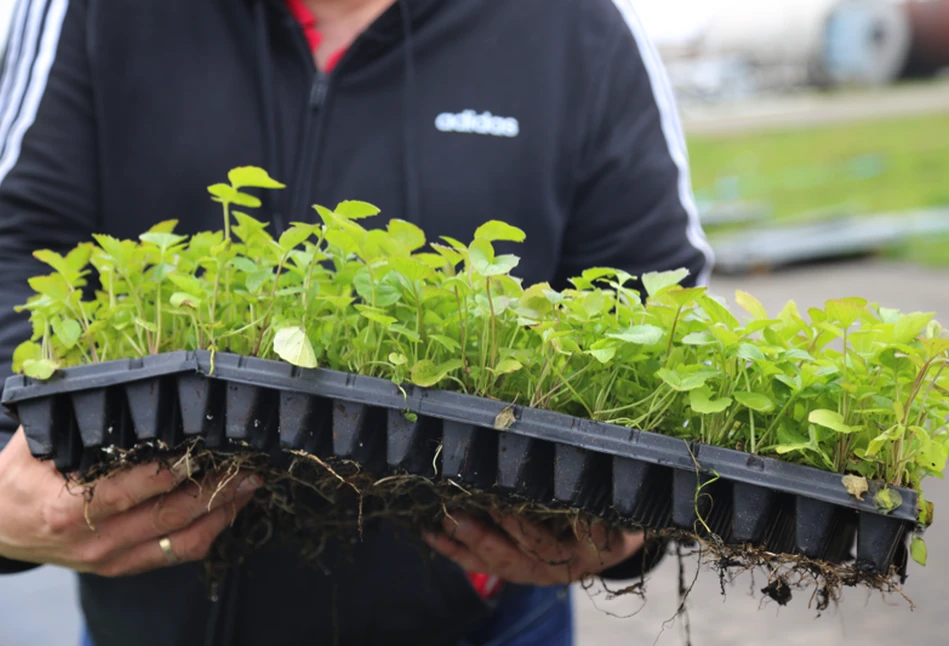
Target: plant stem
x=227 y=220
x=932 y=384
x=463 y=325
x=138 y=305
x=751 y=421
x=777 y=418
x=494 y=328
x=266 y=320
x=672 y=331
x=158 y=299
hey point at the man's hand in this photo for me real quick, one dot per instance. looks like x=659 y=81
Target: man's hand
x=42 y=522
x=524 y=553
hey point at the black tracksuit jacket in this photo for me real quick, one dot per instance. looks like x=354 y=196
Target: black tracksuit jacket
x=553 y=115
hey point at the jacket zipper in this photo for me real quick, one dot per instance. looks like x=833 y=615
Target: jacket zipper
x=310 y=142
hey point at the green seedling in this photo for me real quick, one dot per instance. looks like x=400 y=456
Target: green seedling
x=853 y=388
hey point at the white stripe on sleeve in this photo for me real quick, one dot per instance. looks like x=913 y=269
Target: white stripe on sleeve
x=14 y=42
x=19 y=78
x=672 y=129
x=38 y=72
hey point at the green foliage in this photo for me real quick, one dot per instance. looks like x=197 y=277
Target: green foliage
x=917 y=549
x=854 y=388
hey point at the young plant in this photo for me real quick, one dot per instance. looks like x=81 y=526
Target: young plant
x=853 y=388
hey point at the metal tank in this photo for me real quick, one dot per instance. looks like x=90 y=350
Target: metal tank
x=866 y=42
x=812 y=42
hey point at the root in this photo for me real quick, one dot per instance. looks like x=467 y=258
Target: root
x=308 y=502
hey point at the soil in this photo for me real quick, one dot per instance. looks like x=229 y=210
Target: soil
x=308 y=502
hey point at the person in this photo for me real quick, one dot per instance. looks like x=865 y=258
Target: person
x=553 y=115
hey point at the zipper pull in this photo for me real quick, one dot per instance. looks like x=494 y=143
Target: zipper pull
x=318 y=92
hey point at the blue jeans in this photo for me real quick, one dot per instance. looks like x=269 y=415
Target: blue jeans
x=524 y=617
x=528 y=616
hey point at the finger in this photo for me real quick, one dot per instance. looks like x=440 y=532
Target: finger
x=189 y=544
x=593 y=548
x=533 y=539
x=172 y=512
x=501 y=555
x=127 y=489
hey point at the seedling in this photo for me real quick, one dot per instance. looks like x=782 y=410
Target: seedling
x=853 y=388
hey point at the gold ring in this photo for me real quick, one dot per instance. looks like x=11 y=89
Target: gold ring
x=165 y=544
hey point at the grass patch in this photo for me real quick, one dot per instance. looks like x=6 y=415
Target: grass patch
x=872 y=167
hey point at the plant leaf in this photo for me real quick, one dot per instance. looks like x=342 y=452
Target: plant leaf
x=26 y=351
x=639 y=334
x=603 y=355
x=684 y=382
x=830 y=419
x=388 y=290
x=699 y=338
x=781 y=449
x=227 y=193
x=356 y=210
x=926 y=510
x=54 y=286
x=252 y=177
x=505 y=419
x=414 y=270
x=750 y=352
x=258 y=279
x=162 y=240
x=449 y=343
x=294 y=237
x=188 y=284
x=887 y=499
x=40 y=369
x=917 y=549
x=54 y=260
x=183 y=299
x=165 y=226
x=495 y=231
x=426 y=373
x=507 y=366
x=932 y=456
x=449 y=254
x=909 y=326
x=856 y=486
x=406 y=233
x=751 y=304
x=701 y=402
x=485 y=263
x=755 y=401
x=397 y=359
x=656 y=282
x=67 y=331
x=845 y=311
x=293 y=346
x=377 y=316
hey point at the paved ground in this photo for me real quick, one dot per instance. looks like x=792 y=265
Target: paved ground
x=38 y=609
x=813 y=108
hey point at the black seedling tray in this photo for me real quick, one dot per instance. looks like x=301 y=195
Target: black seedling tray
x=635 y=476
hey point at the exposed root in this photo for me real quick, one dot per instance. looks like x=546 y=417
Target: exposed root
x=308 y=502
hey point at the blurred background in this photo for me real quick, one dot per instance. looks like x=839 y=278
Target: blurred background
x=818 y=133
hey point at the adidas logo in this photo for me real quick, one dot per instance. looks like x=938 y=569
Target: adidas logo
x=471 y=122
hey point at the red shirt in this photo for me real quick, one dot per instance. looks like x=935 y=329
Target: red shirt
x=307 y=22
